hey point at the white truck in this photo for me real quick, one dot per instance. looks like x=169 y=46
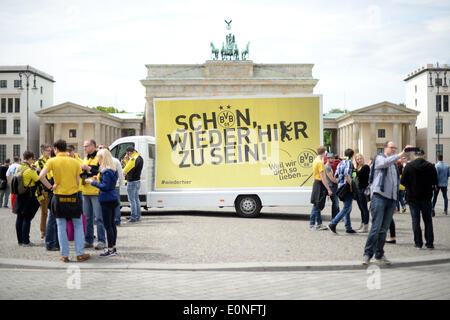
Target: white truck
x=244 y=152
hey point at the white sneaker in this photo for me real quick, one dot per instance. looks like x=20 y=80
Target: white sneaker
x=366 y=260
x=312 y=228
x=321 y=227
x=383 y=260
x=364 y=229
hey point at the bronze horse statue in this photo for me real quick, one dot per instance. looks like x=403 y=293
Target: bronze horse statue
x=245 y=52
x=214 y=52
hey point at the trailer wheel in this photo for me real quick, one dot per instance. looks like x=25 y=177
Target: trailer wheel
x=248 y=206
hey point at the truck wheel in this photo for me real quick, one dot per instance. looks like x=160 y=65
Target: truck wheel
x=248 y=206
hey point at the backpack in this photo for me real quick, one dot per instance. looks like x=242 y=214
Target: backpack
x=17 y=185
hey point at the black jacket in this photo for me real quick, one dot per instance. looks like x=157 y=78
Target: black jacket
x=419 y=178
x=319 y=194
x=135 y=173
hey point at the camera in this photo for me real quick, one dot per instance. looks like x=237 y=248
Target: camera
x=84 y=176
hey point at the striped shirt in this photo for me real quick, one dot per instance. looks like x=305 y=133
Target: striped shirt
x=344 y=169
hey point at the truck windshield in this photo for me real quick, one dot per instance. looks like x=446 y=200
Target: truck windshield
x=120 y=150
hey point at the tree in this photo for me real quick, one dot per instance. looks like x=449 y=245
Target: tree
x=337 y=110
x=327 y=139
x=108 y=109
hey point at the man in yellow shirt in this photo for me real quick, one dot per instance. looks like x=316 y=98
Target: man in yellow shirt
x=27 y=203
x=91 y=205
x=46 y=150
x=319 y=191
x=65 y=202
x=132 y=172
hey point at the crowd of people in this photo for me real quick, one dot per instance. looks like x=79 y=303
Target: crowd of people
x=71 y=193
x=383 y=186
x=86 y=192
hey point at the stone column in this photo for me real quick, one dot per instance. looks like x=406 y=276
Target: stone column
x=149 y=129
x=395 y=137
x=338 y=141
x=347 y=137
x=344 y=144
x=57 y=131
x=42 y=131
x=110 y=135
x=80 y=138
x=356 y=137
x=97 y=132
x=373 y=139
x=412 y=134
x=107 y=136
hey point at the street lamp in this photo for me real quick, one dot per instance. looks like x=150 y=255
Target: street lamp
x=438 y=84
x=27 y=74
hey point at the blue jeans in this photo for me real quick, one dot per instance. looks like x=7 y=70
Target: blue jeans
x=51 y=232
x=382 y=211
x=444 y=194
x=401 y=199
x=334 y=202
x=23 y=225
x=117 y=213
x=4 y=196
x=424 y=208
x=315 y=216
x=345 y=213
x=91 y=209
x=362 y=204
x=133 y=197
x=78 y=236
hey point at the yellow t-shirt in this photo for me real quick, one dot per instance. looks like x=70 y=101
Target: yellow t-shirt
x=30 y=176
x=318 y=167
x=65 y=171
x=87 y=189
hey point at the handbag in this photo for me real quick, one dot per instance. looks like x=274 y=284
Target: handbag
x=342 y=191
x=70 y=228
x=367 y=192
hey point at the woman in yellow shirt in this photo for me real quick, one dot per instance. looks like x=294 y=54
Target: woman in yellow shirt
x=27 y=203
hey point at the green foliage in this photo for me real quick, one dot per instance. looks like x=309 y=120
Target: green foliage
x=327 y=139
x=108 y=109
x=337 y=110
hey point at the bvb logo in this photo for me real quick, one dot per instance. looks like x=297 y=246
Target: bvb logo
x=226 y=117
x=306 y=158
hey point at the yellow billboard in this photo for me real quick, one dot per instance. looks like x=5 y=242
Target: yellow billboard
x=236 y=142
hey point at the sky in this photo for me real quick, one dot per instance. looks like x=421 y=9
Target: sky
x=97 y=50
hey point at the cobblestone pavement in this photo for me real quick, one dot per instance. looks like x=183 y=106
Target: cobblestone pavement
x=421 y=283
x=188 y=235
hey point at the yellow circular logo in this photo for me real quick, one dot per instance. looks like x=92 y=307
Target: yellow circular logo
x=306 y=158
x=226 y=119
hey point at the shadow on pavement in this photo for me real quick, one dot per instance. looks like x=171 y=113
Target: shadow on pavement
x=229 y=215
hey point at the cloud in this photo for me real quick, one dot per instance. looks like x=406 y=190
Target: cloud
x=97 y=50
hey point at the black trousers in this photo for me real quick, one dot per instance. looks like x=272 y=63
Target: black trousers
x=108 y=213
x=392 y=228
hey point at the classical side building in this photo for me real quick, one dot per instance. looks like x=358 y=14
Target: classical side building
x=75 y=124
x=365 y=130
x=427 y=91
x=19 y=126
